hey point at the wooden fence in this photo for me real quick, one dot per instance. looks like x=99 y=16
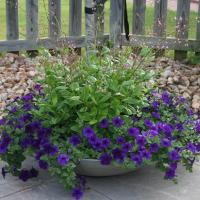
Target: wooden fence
x=181 y=44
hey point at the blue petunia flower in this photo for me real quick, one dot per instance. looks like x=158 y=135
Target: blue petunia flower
x=88 y=132
x=75 y=140
x=77 y=193
x=104 y=123
x=166 y=143
x=174 y=156
x=117 y=122
x=63 y=159
x=105 y=159
x=105 y=143
x=133 y=131
x=154 y=147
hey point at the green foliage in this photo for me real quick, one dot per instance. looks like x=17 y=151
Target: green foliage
x=92 y=89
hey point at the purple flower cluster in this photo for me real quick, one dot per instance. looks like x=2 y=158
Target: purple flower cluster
x=166 y=98
x=4 y=143
x=171 y=171
x=24 y=174
x=96 y=143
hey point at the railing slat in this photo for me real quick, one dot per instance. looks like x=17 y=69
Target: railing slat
x=198 y=28
x=116 y=22
x=182 y=22
x=160 y=17
x=75 y=19
x=90 y=25
x=12 y=19
x=54 y=18
x=99 y=20
x=139 y=8
x=32 y=19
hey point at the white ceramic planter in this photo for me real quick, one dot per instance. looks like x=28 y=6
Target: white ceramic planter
x=93 y=167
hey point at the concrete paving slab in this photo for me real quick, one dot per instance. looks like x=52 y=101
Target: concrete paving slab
x=144 y=184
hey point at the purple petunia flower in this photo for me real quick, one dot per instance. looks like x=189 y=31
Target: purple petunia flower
x=166 y=143
x=32 y=127
x=173 y=166
x=126 y=147
x=166 y=98
x=43 y=165
x=4 y=143
x=2 y=122
x=179 y=127
x=118 y=154
x=133 y=131
x=13 y=110
x=154 y=147
x=155 y=115
x=88 y=132
x=24 y=175
x=197 y=126
x=117 y=122
x=25 y=118
x=174 y=156
x=167 y=129
x=120 y=140
x=105 y=143
x=28 y=97
x=38 y=87
x=42 y=132
x=75 y=140
x=182 y=99
x=170 y=174
x=50 y=149
x=137 y=158
x=63 y=159
x=148 y=123
x=33 y=173
x=27 y=107
x=105 y=159
x=198 y=147
x=93 y=139
x=146 y=154
x=155 y=105
x=135 y=119
x=191 y=147
x=77 y=193
x=104 y=123
x=190 y=112
x=97 y=145
x=153 y=133
x=140 y=140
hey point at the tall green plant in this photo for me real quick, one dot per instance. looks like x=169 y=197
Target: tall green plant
x=92 y=89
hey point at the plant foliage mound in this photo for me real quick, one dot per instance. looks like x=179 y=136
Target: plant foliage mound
x=102 y=110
